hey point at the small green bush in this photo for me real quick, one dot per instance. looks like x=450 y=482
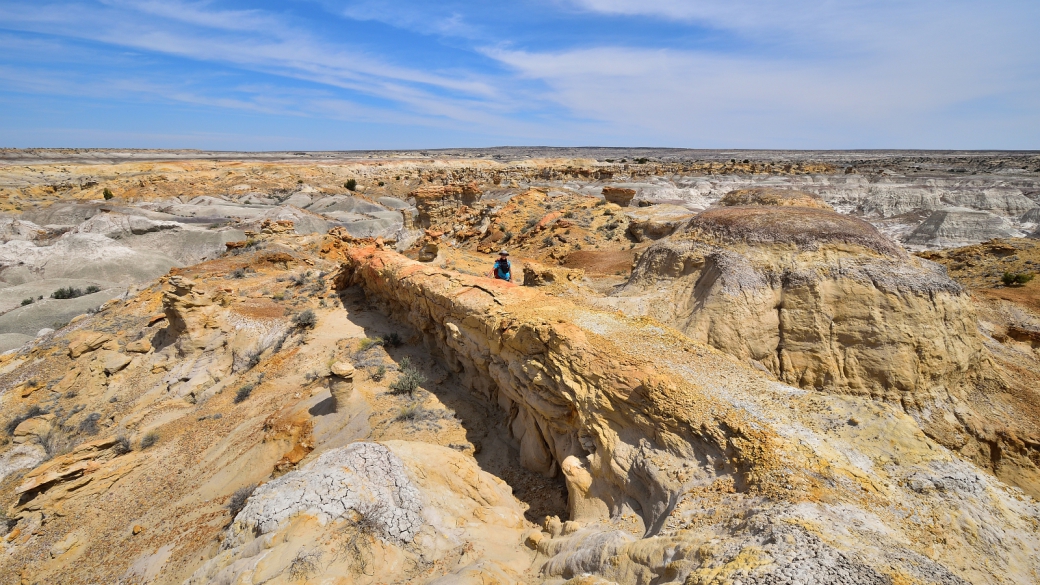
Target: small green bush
x=408 y=382
x=1016 y=279
x=28 y=301
x=92 y=289
x=392 y=339
x=107 y=193
x=379 y=374
x=368 y=343
x=66 y=293
x=350 y=185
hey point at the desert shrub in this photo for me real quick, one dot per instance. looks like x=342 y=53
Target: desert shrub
x=530 y=224
x=238 y=273
x=366 y=525
x=66 y=292
x=392 y=339
x=409 y=380
x=92 y=289
x=238 y=500
x=350 y=185
x=149 y=440
x=252 y=358
x=508 y=236
x=299 y=279
x=56 y=442
x=379 y=374
x=1016 y=279
x=89 y=425
x=32 y=411
x=107 y=194
x=305 y=564
x=123 y=445
x=28 y=301
x=243 y=393
x=368 y=343
x=305 y=320
x=381 y=183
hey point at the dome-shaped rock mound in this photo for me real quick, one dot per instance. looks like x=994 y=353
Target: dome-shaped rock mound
x=772 y=197
x=818 y=299
x=802 y=226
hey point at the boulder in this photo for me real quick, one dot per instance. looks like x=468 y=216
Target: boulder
x=86 y=342
x=656 y=221
x=115 y=362
x=139 y=346
x=619 y=195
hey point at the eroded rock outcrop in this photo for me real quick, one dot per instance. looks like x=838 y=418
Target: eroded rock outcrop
x=958 y=226
x=659 y=439
x=818 y=299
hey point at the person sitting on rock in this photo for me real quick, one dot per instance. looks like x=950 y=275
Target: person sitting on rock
x=503 y=268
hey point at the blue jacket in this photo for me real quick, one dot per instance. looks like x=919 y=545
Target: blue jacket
x=503 y=269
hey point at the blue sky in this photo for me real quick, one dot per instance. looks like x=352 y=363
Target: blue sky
x=324 y=74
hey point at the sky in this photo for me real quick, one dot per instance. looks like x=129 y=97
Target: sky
x=401 y=74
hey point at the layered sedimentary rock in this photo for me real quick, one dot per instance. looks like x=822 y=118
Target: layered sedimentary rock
x=818 y=299
x=660 y=439
x=959 y=226
x=772 y=196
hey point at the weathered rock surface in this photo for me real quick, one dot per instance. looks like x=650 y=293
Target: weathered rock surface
x=656 y=221
x=595 y=398
x=959 y=226
x=772 y=196
x=619 y=195
x=381 y=508
x=798 y=291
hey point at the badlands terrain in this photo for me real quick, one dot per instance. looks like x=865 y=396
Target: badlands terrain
x=711 y=367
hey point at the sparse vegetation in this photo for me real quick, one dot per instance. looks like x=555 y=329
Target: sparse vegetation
x=243 y=393
x=92 y=289
x=238 y=273
x=392 y=339
x=32 y=412
x=107 y=194
x=305 y=320
x=123 y=445
x=149 y=440
x=28 y=301
x=66 y=292
x=89 y=425
x=368 y=343
x=350 y=185
x=366 y=525
x=379 y=374
x=56 y=441
x=408 y=381
x=237 y=501
x=1016 y=278
x=305 y=564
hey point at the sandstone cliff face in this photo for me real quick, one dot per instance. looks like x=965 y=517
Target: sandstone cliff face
x=658 y=438
x=819 y=300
